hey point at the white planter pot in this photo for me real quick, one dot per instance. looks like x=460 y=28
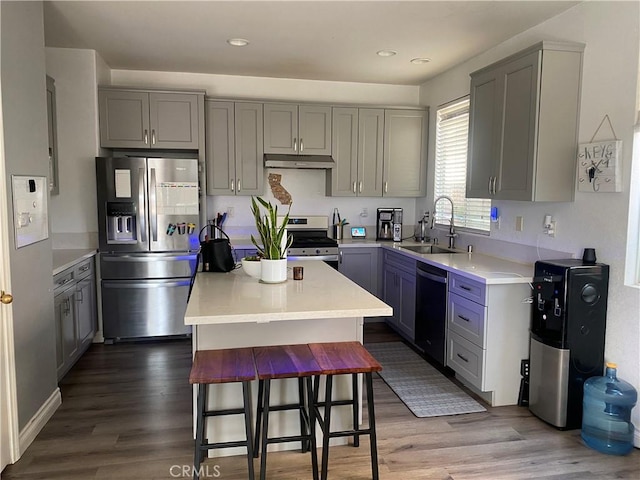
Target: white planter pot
x=273 y=271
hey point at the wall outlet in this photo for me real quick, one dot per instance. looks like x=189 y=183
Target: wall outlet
x=364 y=212
x=519 y=223
x=230 y=212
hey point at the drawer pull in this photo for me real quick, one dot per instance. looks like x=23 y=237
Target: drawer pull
x=464 y=287
x=462 y=358
x=63 y=281
x=463 y=318
x=84 y=268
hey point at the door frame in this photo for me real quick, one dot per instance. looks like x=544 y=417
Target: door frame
x=8 y=390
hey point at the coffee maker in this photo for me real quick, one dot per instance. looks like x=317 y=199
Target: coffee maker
x=389 y=224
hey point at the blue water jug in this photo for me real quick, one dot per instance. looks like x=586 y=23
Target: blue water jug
x=606 y=415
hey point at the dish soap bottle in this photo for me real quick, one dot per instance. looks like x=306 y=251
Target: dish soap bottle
x=606 y=415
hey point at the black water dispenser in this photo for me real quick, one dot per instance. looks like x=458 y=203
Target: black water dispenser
x=567 y=337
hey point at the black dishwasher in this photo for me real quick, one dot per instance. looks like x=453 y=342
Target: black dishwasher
x=431 y=311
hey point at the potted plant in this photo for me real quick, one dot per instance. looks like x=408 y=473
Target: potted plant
x=274 y=241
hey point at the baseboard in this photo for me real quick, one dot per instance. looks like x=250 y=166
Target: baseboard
x=39 y=420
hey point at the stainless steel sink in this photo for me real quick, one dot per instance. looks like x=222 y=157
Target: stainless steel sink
x=430 y=249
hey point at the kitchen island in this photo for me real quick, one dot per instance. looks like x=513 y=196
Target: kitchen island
x=232 y=309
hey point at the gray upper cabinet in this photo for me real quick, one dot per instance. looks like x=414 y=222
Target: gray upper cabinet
x=297 y=129
x=234 y=148
x=142 y=119
x=54 y=186
x=378 y=153
x=358 y=135
x=405 y=153
x=523 y=125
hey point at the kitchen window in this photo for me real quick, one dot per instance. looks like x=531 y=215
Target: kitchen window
x=452 y=133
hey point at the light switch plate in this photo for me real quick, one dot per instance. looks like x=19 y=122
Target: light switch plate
x=30 y=218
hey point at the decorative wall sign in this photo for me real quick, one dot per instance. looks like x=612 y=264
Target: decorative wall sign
x=599 y=164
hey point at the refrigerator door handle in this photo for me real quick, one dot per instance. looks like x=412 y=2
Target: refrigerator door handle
x=141 y=225
x=146 y=284
x=153 y=207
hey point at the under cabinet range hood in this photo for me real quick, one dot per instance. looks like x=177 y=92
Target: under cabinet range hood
x=298 y=161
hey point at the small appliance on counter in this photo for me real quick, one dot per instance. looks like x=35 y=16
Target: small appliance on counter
x=389 y=224
x=567 y=337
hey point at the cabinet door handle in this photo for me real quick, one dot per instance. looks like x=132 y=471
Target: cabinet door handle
x=463 y=358
x=146 y=137
x=238 y=184
x=233 y=185
x=386 y=187
x=360 y=187
x=489 y=185
x=295 y=144
x=463 y=318
x=153 y=136
x=340 y=256
x=493 y=188
x=354 y=187
x=81 y=299
x=301 y=145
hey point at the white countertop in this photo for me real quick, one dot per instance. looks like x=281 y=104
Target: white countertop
x=476 y=266
x=63 y=259
x=235 y=297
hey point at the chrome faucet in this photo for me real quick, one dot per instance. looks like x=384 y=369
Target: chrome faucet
x=452 y=234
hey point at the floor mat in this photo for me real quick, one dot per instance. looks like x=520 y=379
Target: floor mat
x=422 y=388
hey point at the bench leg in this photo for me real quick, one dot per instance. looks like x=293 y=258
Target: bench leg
x=265 y=429
x=312 y=429
x=355 y=398
x=327 y=428
x=246 y=394
x=372 y=426
x=256 y=445
x=200 y=426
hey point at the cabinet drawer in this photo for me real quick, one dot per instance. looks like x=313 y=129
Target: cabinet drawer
x=83 y=269
x=467 y=319
x=63 y=279
x=398 y=260
x=466 y=359
x=467 y=288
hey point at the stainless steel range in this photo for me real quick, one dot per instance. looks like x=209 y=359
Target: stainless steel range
x=311 y=239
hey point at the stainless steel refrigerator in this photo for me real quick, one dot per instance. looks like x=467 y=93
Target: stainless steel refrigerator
x=148 y=237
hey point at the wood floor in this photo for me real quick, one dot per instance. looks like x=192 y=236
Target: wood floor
x=126 y=414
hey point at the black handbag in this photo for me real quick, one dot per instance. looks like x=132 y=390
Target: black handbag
x=217 y=255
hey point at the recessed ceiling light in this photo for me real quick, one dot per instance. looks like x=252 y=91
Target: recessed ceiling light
x=420 y=61
x=387 y=53
x=238 y=42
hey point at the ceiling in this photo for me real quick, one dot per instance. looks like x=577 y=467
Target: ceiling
x=318 y=40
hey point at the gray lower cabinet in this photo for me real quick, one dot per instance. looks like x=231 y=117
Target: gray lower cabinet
x=75 y=313
x=234 y=148
x=523 y=125
x=361 y=265
x=297 y=129
x=399 y=291
x=150 y=120
x=378 y=153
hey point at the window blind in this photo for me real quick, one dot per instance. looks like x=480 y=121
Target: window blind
x=452 y=132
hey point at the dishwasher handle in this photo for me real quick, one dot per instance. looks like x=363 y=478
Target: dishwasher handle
x=431 y=276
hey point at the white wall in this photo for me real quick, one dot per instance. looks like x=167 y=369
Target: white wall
x=610 y=31
x=231 y=86
x=73 y=211
x=26 y=142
